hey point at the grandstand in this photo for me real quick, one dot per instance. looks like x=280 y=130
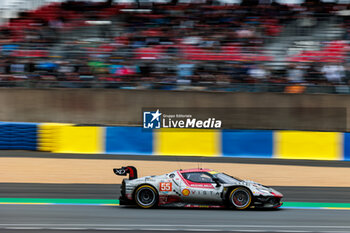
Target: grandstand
x=284 y=46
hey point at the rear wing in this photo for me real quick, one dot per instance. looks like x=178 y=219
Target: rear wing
x=123 y=171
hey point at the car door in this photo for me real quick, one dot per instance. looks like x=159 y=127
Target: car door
x=199 y=188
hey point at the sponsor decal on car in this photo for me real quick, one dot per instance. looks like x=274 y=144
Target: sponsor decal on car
x=165 y=187
x=208 y=186
x=205 y=192
x=186 y=192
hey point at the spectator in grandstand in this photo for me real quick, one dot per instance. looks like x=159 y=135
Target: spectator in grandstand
x=314 y=74
x=347 y=75
x=64 y=69
x=18 y=67
x=185 y=69
x=259 y=73
x=334 y=73
x=192 y=43
x=296 y=73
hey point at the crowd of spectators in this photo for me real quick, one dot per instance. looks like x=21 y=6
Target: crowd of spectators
x=181 y=44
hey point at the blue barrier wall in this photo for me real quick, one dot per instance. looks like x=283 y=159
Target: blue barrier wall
x=346 y=146
x=18 y=136
x=128 y=140
x=247 y=143
x=135 y=141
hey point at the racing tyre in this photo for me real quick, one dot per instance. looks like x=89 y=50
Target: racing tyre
x=146 y=196
x=240 y=198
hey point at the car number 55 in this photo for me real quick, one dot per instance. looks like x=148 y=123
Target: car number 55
x=165 y=186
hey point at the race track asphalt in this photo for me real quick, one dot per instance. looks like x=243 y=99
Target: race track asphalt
x=15 y=218
x=103 y=218
x=108 y=191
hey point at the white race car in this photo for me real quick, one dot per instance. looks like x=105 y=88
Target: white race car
x=194 y=187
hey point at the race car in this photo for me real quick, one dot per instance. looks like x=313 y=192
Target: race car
x=194 y=187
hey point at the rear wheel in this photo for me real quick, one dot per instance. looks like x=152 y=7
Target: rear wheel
x=146 y=196
x=240 y=198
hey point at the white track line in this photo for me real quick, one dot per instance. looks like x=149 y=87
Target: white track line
x=170 y=225
x=162 y=229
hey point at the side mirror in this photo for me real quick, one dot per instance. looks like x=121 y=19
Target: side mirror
x=216 y=180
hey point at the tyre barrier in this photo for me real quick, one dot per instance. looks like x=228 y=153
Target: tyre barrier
x=70 y=138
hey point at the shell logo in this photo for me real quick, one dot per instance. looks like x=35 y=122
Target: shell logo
x=185 y=192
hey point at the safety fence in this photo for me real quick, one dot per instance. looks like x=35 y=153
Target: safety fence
x=69 y=138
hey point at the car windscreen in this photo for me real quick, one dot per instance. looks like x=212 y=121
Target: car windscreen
x=226 y=179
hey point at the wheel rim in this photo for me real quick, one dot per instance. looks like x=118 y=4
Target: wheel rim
x=146 y=197
x=240 y=198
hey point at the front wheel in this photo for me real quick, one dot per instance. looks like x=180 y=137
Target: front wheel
x=240 y=198
x=146 y=196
